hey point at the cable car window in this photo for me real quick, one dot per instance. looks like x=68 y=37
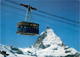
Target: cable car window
x=30 y=24
x=18 y=28
x=34 y=24
x=26 y=29
x=30 y=29
x=23 y=29
x=27 y=24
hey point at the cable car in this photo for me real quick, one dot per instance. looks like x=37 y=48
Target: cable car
x=27 y=28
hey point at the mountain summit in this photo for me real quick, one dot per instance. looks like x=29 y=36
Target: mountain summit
x=48 y=44
x=47 y=38
x=51 y=45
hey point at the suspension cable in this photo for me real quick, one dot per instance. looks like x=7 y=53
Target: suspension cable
x=45 y=16
x=42 y=21
x=63 y=18
x=13 y=2
x=26 y=16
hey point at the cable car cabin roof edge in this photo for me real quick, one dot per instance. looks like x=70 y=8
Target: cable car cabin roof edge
x=27 y=23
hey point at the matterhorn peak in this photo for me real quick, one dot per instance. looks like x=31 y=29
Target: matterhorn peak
x=50 y=31
x=47 y=27
x=48 y=37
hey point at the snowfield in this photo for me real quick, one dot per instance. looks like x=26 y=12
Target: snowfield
x=17 y=56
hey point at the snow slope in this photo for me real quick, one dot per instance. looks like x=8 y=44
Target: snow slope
x=48 y=44
x=13 y=51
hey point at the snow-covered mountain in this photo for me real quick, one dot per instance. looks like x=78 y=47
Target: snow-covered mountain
x=48 y=44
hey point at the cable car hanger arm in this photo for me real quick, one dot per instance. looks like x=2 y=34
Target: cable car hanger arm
x=27 y=6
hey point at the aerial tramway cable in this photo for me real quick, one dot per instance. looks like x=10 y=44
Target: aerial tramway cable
x=60 y=17
x=63 y=18
x=41 y=21
x=44 y=16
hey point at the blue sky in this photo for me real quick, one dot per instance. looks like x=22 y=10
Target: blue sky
x=64 y=8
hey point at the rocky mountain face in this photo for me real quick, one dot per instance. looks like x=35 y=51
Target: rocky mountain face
x=48 y=44
x=47 y=38
x=51 y=45
x=10 y=49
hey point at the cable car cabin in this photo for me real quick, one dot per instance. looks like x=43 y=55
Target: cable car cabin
x=27 y=28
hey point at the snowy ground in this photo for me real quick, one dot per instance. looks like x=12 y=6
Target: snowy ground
x=17 y=56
